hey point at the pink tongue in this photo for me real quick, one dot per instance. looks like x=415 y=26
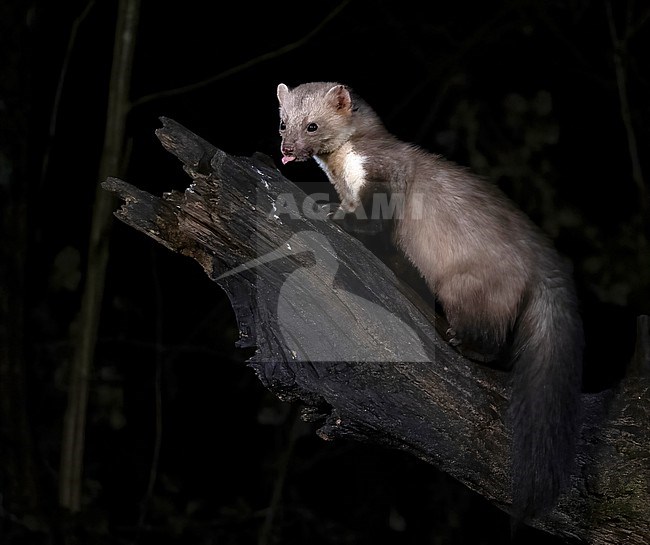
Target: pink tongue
x=286 y=159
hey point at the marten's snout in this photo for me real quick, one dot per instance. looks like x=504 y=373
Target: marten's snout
x=287 y=153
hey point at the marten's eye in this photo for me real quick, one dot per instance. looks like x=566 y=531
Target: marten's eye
x=312 y=127
x=283 y=125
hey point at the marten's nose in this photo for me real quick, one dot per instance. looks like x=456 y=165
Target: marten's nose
x=287 y=150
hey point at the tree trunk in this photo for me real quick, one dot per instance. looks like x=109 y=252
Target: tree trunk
x=87 y=322
x=309 y=296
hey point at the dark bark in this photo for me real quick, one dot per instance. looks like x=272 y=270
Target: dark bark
x=312 y=329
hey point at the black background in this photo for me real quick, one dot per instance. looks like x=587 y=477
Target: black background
x=525 y=93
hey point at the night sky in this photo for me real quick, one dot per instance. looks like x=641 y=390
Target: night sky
x=525 y=93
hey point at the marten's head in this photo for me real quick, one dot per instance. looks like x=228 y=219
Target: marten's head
x=315 y=119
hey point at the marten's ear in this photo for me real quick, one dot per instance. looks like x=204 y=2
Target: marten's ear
x=339 y=97
x=283 y=91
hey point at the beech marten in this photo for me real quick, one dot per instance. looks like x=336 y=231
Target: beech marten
x=497 y=277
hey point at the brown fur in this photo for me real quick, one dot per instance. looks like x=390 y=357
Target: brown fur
x=491 y=268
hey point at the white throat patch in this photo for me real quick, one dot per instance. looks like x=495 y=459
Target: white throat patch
x=346 y=170
x=353 y=172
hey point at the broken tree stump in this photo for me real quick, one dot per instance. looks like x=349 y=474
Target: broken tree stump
x=335 y=329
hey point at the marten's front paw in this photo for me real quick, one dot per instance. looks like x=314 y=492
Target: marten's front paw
x=333 y=211
x=328 y=209
x=339 y=211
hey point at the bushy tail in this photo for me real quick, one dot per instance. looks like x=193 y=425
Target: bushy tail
x=545 y=404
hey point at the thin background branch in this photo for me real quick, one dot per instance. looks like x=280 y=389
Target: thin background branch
x=87 y=321
x=56 y=104
x=620 y=45
x=244 y=66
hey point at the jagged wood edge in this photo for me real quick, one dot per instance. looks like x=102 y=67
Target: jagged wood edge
x=451 y=413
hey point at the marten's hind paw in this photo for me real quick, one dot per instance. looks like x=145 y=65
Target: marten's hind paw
x=452 y=337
